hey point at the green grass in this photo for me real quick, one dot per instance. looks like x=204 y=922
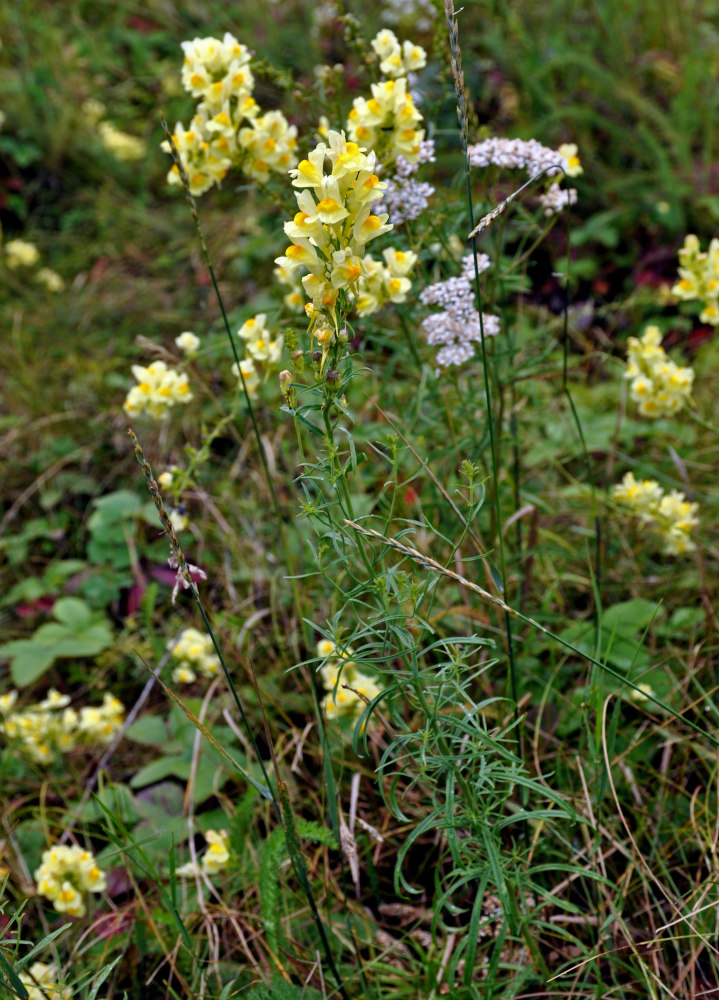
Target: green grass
x=500 y=816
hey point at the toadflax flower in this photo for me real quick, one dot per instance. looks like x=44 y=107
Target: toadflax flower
x=215 y=858
x=344 y=683
x=670 y=516
x=159 y=389
x=658 y=385
x=193 y=650
x=66 y=873
x=20 y=253
x=51 y=727
x=338 y=185
x=228 y=128
x=40 y=982
x=699 y=277
x=188 y=343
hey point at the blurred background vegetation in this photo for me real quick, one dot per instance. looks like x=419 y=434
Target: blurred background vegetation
x=634 y=83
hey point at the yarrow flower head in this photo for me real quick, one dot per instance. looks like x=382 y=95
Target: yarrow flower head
x=404 y=198
x=229 y=128
x=193 y=651
x=669 y=516
x=699 y=277
x=159 y=389
x=65 y=874
x=346 y=686
x=533 y=158
x=456 y=328
x=658 y=385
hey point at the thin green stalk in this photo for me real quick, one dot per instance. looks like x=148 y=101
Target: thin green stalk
x=431 y=564
x=281 y=805
x=289 y=559
x=462 y=113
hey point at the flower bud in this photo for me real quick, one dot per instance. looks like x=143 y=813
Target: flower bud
x=285 y=382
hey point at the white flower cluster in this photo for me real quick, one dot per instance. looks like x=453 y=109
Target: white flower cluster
x=556 y=199
x=65 y=874
x=193 y=650
x=50 y=727
x=534 y=158
x=456 y=328
x=405 y=198
x=228 y=128
x=421 y=13
x=159 y=388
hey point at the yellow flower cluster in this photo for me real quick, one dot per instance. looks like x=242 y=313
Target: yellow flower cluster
x=387 y=121
x=263 y=353
x=50 y=727
x=21 y=253
x=396 y=59
x=123 y=146
x=228 y=128
x=65 y=874
x=330 y=233
x=658 y=385
x=669 y=515
x=338 y=671
x=215 y=858
x=699 y=277
x=159 y=388
x=193 y=651
x=41 y=983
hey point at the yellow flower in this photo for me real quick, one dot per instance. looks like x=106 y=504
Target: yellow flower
x=65 y=874
x=188 y=343
x=41 y=983
x=669 y=516
x=125 y=147
x=159 y=389
x=658 y=385
x=20 y=253
x=572 y=165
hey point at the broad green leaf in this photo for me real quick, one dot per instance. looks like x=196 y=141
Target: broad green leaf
x=148 y=729
x=156 y=770
x=73 y=612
